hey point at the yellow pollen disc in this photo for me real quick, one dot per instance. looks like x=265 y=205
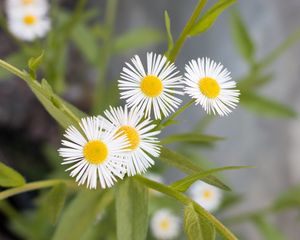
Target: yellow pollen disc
x=95 y=152
x=209 y=87
x=151 y=86
x=29 y=20
x=164 y=224
x=207 y=194
x=25 y=2
x=132 y=135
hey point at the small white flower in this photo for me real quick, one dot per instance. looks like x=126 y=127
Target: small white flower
x=165 y=225
x=143 y=145
x=152 y=90
x=94 y=152
x=29 y=24
x=16 y=5
x=207 y=196
x=211 y=86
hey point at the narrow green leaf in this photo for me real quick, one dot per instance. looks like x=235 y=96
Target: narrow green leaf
x=267 y=230
x=197 y=228
x=241 y=37
x=184 y=164
x=169 y=33
x=208 y=19
x=9 y=177
x=190 y=137
x=55 y=201
x=132 y=210
x=183 y=184
x=86 y=43
x=254 y=82
x=136 y=39
x=288 y=199
x=81 y=213
x=34 y=63
x=265 y=106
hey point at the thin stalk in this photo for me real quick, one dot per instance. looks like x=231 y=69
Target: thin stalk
x=186 y=201
x=12 y=69
x=111 y=9
x=33 y=186
x=185 y=32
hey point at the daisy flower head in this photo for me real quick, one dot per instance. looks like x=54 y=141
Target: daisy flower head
x=29 y=24
x=152 y=90
x=17 y=5
x=143 y=143
x=94 y=153
x=207 y=196
x=165 y=225
x=210 y=84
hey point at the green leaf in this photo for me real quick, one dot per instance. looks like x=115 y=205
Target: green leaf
x=131 y=210
x=86 y=43
x=265 y=106
x=9 y=177
x=195 y=227
x=241 y=37
x=190 y=137
x=288 y=199
x=34 y=63
x=208 y=19
x=136 y=39
x=181 y=162
x=55 y=201
x=183 y=184
x=81 y=213
x=254 y=82
x=169 y=33
x=267 y=230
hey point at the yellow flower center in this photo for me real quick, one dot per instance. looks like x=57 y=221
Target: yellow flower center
x=151 y=86
x=207 y=194
x=165 y=224
x=25 y=2
x=209 y=87
x=132 y=135
x=29 y=20
x=95 y=152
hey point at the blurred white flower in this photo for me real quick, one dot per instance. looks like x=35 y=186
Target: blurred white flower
x=94 y=152
x=143 y=143
x=165 y=225
x=211 y=86
x=29 y=25
x=208 y=196
x=152 y=90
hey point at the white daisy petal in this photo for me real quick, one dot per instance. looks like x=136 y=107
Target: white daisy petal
x=152 y=90
x=211 y=86
x=143 y=145
x=95 y=154
x=165 y=225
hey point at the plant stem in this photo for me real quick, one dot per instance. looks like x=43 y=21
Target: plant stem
x=185 y=32
x=111 y=8
x=186 y=201
x=12 y=69
x=33 y=186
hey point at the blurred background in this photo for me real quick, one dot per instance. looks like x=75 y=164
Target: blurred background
x=270 y=142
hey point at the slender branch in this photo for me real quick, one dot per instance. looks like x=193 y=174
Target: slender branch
x=33 y=186
x=186 y=201
x=12 y=69
x=185 y=32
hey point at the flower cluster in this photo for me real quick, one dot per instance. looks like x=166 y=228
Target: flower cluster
x=27 y=19
x=124 y=140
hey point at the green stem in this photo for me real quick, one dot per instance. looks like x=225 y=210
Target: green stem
x=12 y=69
x=98 y=103
x=184 y=34
x=186 y=201
x=33 y=186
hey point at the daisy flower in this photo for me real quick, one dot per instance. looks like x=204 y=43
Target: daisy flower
x=94 y=152
x=165 y=225
x=151 y=90
x=211 y=86
x=207 y=196
x=15 y=5
x=28 y=24
x=143 y=145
